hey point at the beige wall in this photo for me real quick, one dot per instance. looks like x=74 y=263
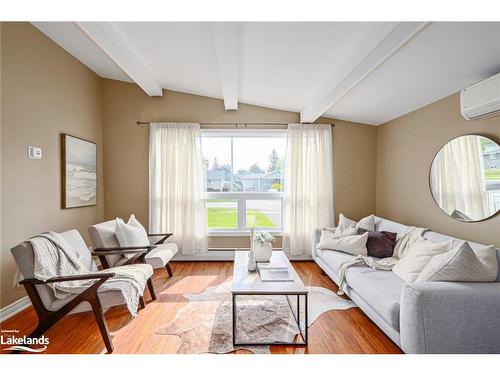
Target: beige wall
x=354 y=169
x=406 y=147
x=126 y=152
x=44 y=92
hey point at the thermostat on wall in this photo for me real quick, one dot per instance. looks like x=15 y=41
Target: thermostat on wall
x=34 y=152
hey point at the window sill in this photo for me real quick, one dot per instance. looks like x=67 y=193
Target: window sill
x=244 y=233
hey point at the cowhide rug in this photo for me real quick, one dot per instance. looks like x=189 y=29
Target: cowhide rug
x=205 y=324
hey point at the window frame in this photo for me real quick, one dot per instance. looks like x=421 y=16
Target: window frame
x=242 y=197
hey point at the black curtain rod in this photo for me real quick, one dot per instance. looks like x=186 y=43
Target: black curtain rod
x=238 y=123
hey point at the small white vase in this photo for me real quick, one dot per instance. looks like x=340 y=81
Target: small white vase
x=262 y=252
x=252 y=266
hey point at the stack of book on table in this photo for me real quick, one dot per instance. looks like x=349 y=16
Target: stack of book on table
x=274 y=270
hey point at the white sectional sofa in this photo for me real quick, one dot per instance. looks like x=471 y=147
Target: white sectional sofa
x=426 y=317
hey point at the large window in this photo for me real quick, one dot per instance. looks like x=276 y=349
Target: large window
x=244 y=179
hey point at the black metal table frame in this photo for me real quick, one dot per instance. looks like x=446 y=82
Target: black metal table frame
x=303 y=333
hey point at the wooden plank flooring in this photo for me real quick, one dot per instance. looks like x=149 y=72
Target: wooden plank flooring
x=338 y=331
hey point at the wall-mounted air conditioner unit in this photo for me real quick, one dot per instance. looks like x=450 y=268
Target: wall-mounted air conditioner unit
x=481 y=99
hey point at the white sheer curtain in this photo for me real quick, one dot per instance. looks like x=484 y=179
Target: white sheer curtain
x=308 y=199
x=457 y=178
x=176 y=185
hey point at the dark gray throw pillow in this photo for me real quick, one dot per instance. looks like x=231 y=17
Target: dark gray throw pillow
x=380 y=244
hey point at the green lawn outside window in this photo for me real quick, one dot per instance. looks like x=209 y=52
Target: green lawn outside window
x=220 y=217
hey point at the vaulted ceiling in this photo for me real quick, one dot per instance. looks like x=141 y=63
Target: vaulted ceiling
x=369 y=72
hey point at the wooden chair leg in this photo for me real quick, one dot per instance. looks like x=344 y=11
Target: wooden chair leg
x=141 y=302
x=101 y=322
x=169 y=270
x=39 y=331
x=151 y=289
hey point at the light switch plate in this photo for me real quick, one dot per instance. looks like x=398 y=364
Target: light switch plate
x=34 y=152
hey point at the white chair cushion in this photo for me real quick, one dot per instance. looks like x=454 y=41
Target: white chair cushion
x=161 y=255
x=107 y=298
x=462 y=264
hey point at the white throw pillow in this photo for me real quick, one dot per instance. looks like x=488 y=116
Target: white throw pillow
x=354 y=245
x=345 y=222
x=131 y=234
x=135 y=223
x=327 y=234
x=344 y=232
x=417 y=257
x=367 y=223
x=333 y=233
x=462 y=264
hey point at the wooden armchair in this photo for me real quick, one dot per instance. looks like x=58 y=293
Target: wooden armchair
x=50 y=309
x=158 y=255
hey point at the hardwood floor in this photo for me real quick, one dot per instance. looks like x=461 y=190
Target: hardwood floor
x=338 y=331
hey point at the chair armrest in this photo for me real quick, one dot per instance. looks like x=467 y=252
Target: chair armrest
x=450 y=317
x=163 y=239
x=115 y=252
x=86 y=276
x=121 y=248
x=139 y=251
x=159 y=234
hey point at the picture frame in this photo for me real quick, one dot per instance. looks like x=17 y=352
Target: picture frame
x=78 y=172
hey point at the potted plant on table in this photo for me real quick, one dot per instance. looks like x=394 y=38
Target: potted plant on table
x=262 y=245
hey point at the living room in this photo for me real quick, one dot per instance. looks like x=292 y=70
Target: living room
x=203 y=187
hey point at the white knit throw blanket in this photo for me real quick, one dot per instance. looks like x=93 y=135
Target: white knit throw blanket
x=408 y=238
x=53 y=256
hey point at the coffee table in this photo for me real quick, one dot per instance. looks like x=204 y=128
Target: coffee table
x=247 y=283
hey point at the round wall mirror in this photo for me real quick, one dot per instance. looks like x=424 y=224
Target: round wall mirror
x=465 y=178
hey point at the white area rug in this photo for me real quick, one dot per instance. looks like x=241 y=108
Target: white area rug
x=204 y=325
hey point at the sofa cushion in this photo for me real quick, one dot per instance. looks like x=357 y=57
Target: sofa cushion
x=389 y=226
x=380 y=289
x=334 y=259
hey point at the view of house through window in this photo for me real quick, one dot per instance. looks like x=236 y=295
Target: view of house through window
x=244 y=179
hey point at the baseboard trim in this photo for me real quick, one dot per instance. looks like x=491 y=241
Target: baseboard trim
x=14 y=308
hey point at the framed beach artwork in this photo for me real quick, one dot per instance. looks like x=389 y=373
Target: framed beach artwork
x=79 y=172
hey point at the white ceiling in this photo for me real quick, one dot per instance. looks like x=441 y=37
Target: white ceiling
x=441 y=60
x=369 y=72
